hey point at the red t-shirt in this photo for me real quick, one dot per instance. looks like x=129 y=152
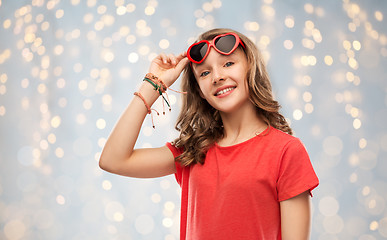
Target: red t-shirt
x=235 y=194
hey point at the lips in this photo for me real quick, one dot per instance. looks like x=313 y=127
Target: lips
x=224 y=91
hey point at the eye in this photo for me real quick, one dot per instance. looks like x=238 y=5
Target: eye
x=228 y=64
x=205 y=73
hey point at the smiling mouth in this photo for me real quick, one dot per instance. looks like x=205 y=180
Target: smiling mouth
x=224 y=91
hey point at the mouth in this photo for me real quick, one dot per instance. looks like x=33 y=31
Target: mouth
x=223 y=91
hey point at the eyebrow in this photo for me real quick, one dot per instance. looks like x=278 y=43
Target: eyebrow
x=221 y=56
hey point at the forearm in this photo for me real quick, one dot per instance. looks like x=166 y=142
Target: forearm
x=118 y=155
x=123 y=137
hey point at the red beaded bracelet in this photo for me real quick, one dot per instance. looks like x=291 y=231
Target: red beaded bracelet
x=143 y=99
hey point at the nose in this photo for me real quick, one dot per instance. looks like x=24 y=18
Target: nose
x=217 y=75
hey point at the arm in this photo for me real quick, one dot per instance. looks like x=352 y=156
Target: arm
x=119 y=156
x=295 y=217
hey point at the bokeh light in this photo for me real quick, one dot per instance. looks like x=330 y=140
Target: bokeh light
x=69 y=68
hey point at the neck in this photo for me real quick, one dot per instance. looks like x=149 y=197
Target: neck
x=241 y=125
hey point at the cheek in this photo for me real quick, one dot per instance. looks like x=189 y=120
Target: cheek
x=247 y=87
x=201 y=92
x=246 y=82
x=199 y=88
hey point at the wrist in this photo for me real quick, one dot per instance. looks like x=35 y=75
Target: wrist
x=148 y=92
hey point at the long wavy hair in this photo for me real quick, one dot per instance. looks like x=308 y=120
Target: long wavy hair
x=200 y=125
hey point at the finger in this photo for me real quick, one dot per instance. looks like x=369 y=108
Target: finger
x=163 y=58
x=181 y=56
x=182 y=63
x=172 y=59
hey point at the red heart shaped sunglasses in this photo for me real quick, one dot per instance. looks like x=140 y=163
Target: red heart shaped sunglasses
x=224 y=44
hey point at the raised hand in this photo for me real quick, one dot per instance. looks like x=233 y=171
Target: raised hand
x=119 y=155
x=168 y=67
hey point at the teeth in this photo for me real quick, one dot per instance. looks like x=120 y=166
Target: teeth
x=224 y=91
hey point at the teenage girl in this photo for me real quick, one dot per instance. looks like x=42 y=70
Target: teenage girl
x=242 y=173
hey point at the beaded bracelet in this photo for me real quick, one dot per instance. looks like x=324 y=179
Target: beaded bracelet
x=154 y=79
x=143 y=99
x=149 y=110
x=161 y=88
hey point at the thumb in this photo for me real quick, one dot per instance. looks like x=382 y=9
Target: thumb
x=182 y=63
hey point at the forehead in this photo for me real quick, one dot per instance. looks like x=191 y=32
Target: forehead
x=215 y=58
x=214 y=55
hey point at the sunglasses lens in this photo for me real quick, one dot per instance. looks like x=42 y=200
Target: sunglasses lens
x=226 y=43
x=198 y=51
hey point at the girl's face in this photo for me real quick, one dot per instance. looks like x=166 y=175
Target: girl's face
x=222 y=80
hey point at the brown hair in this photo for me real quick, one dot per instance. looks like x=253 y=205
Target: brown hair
x=200 y=125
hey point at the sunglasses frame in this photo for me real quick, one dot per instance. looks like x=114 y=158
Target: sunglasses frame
x=211 y=44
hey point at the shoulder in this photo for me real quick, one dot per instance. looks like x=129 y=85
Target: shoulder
x=278 y=133
x=175 y=151
x=279 y=137
x=282 y=142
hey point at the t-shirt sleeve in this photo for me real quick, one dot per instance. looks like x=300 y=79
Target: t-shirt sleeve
x=179 y=169
x=296 y=173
